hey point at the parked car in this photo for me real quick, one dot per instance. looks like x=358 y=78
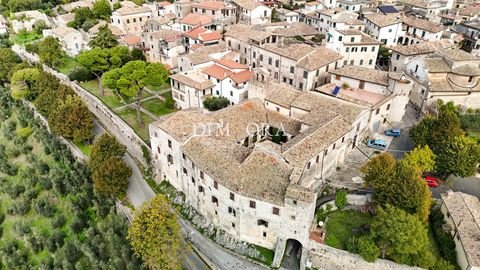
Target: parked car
x=393 y=132
x=377 y=144
x=431 y=181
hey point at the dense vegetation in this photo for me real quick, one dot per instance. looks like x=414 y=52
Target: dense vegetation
x=215 y=103
x=444 y=133
x=51 y=217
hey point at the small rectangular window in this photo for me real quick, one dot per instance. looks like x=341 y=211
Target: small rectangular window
x=201 y=189
x=232 y=196
x=292 y=69
x=215 y=184
x=262 y=222
x=276 y=211
x=378 y=111
x=305 y=74
x=185 y=170
x=169 y=144
x=253 y=204
x=193 y=180
x=388 y=107
x=202 y=176
x=214 y=200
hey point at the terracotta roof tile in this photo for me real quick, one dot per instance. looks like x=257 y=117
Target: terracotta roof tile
x=196 y=19
x=231 y=64
x=242 y=76
x=132 y=40
x=217 y=72
x=216 y=5
x=215 y=35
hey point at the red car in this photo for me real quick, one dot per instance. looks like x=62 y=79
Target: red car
x=431 y=181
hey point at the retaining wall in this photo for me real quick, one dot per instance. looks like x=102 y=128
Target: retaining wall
x=112 y=122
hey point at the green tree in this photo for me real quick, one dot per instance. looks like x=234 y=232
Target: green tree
x=459 y=156
x=421 y=157
x=155 y=235
x=367 y=248
x=341 y=199
x=131 y=79
x=398 y=184
x=399 y=236
x=98 y=61
x=104 y=39
x=111 y=178
x=44 y=81
x=215 y=103
x=48 y=100
x=443 y=265
x=72 y=119
x=5 y=41
x=50 y=51
x=103 y=149
x=102 y=10
x=8 y=59
x=22 y=81
x=83 y=16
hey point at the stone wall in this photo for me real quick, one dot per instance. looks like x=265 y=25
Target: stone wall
x=328 y=258
x=112 y=122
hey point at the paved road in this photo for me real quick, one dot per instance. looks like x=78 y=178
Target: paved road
x=220 y=258
x=138 y=190
x=469 y=185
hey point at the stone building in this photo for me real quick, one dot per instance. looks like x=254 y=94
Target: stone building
x=131 y=20
x=448 y=74
x=356 y=47
x=246 y=177
x=300 y=65
x=386 y=94
x=385 y=27
x=403 y=54
x=462 y=216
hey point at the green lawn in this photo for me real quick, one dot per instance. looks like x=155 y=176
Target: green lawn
x=157 y=107
x=159 y=88
x=340 y=225
x=68 y=64
x=111 y=100
x=85 y=148
x=167 y=94
x=129 y=115
x=25 y=37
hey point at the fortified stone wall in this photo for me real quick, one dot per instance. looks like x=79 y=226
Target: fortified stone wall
x=112 y=122
x=328 y=258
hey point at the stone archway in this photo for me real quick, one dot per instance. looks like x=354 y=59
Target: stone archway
x=400 y=40
x=293 y=255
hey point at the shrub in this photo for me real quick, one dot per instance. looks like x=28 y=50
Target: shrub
x=445 y=242
x=44 y=207
x=341 y=199
x=81 y=74
x=367 y=248
x=59 y=221
x=24 y=132
x=215 y=103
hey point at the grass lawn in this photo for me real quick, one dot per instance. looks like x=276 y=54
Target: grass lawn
x=129 y=115
x=340 y=225
x=68 y=64
x=156 y=106
x=25 y=37
x=85 y=148
x=109 y=98
x=167 y=94
x=159 y=88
